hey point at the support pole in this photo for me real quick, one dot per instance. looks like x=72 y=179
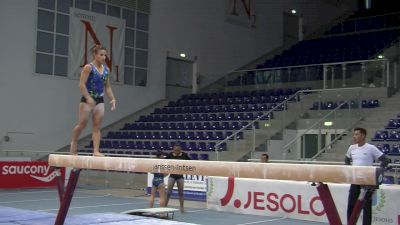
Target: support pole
x=67 y=197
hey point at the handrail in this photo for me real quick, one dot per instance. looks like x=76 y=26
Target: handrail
x=368 y=17
x=273 y=109
x=316 y=162
x=256 y=120
x=80 y=153
x=319 y=121
x=314 y=124
x=308 y=65
x=328 y=145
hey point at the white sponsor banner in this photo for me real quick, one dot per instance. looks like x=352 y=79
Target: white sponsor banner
x=88 y=29
x=195 y=186
x=297 y=200
x=192 y=182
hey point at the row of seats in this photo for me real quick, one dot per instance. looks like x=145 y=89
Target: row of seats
x=258 y=93
x=158 y=145
x=205 y=117
x=264 y=77
x=235 y=125
x=193 y=156
x=385 y=148
x=228 y=101
x=372 y=103
x=218 y=108
x=362 y=24
x=182 y=123
x=390 y=180
x=182 y=135
x=344 y=48
x=334 y=49
x=384 y=135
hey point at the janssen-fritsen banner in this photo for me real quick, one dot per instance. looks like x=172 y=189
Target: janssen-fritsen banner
x=297 y=200
x=195 y=187
x=88 y=29
x=28 y=174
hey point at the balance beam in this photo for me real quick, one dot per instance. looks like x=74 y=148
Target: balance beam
x=319 y=174
x=362 y=175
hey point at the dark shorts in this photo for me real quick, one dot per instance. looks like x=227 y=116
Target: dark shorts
x=97 y=100
x=176 y=176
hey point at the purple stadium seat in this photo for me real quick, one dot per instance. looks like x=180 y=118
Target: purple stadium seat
x=380 y=135
x=204 y=156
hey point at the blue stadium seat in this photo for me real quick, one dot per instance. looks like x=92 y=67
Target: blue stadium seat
x=194 y=156
x=394 y=135
x=204 y=156
x=380 y=135
x=388 y=180
x=393 y=124
x=395 y=149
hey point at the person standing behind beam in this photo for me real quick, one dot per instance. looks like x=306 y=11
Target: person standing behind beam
x=178 y=178
x=362 y=154
x=264 y=158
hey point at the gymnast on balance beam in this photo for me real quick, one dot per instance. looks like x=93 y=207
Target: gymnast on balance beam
x=93 y=83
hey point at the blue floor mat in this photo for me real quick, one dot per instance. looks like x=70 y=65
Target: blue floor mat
x=13 y=216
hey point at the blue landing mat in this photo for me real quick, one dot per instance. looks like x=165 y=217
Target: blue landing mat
x=12 y=216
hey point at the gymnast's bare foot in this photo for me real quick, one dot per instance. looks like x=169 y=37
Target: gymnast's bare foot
x=73 y=150
x=98 y=154
x=183 y=210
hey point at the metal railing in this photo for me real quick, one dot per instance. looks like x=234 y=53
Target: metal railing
x=359 y=73
x=333 y=118
x=288 y=112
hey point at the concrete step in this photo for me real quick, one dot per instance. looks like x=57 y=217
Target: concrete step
x=374 y=119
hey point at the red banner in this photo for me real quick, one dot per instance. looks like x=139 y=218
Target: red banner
x=28 y=174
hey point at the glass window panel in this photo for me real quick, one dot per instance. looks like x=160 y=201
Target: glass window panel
x=113 y=11
x=44 y=63
x=61 y=45
x=129 y=17
x=142 y=21
x=45 y=20
x=130 y=38
x=128 y=75
x=140 y=77
x=99 y=7
x=61 y=66
x=129 y=56
x=47 y=4
x=141 y=40
x=62 y=24
x=63 y=5
x=141 y=59
x=82 y=4
x=44 y=42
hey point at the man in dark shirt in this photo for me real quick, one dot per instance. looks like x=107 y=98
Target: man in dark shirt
x=178 y=178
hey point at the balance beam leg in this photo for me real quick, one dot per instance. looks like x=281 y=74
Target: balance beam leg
x=67 y=197
x=60 y=185
x=365 y=196
x=329 y=204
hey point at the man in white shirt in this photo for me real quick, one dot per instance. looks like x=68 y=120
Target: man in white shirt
x=362 y=154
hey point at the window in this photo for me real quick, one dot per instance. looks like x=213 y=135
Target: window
x=52 y=42
x=82 y=4
x=98 y=7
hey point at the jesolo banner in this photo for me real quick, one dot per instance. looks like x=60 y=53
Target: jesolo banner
x=297 y=200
